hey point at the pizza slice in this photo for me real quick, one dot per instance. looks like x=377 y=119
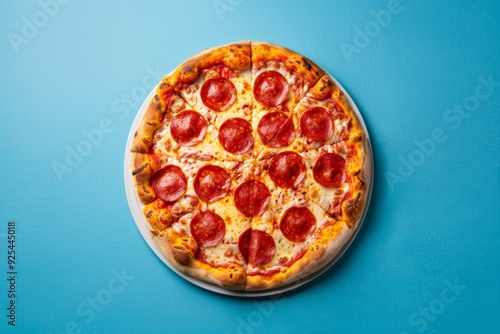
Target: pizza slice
x=334 y=177
x=290 y=241
x=291 y=236
x=192 y=215
x=322 y=117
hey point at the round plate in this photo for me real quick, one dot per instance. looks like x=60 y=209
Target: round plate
x=136 y=209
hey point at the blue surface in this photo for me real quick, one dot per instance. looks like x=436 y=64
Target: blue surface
x=426 y=77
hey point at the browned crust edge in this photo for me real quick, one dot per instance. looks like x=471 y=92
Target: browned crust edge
x=263 y=52
x=359 y=172
x=150 y=123
x=143 y=167
x=236 y=56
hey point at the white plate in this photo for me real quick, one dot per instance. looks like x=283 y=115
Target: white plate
x=136 y=209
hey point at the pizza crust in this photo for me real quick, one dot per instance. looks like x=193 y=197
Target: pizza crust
x=352 y=207
x=302 y=66
x=235 y=56
x=143 y=167
x=151 y=122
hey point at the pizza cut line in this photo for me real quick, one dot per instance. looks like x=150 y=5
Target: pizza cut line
x=251 y=167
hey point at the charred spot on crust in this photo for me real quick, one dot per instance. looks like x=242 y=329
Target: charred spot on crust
x=362 y=185
x=189 y=68
x=140 y=169
x=180 y=255
x=325 y=84
x=331 y=215
x=149 y=214
x=353 y=206
x=356 y=139
x=306 y=64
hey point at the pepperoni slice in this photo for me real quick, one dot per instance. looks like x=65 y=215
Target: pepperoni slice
x=285 y=135
x=169 y=183
x=297 y=224
x=188 y=128
x=218 y=94
x=270 y=124
x=211 y=183
x=235 y=135
x=316 y=124
x=276 y=129
x=287 y=169
x=252 y=198
x=270 y=88
x=244 y=243
x=261 y=248
x=329 y=170
x=207 y=228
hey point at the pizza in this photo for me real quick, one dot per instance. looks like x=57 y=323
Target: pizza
x=251 y=167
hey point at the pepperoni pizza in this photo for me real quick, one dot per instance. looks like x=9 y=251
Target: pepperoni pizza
x=251 y=167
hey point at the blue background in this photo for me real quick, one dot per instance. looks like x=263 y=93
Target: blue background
x=427 y=257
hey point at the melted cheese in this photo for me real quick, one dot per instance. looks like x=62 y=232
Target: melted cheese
x=209 y=148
